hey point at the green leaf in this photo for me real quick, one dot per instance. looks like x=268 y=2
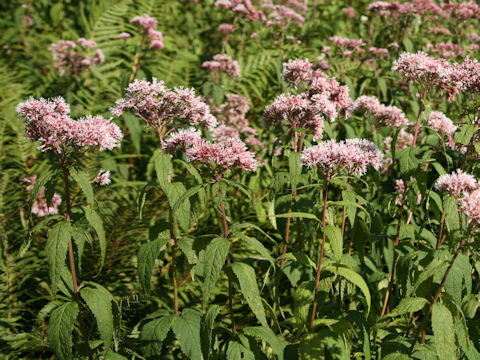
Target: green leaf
x=163 y=168
x=147 y=255
x=99 y=300
x=349 y=197
x=239 y=349
x=135 y=128
x=216 y=254
x=459 y=278
x=39 y=184
x=181 y=205
x=407 y=160
x=334 y=236
x=354 y=278
x=278 y=345
x=302 y=301
x=464 y=134
x=257 y=245
x=60 y=328
x=96 y=223
x=249 y=288
x=295 y=167
x=154 y=333
x=444 y=332
x=56 y=248
x=82 y=179
x=206 y=328
x=324 y=344
x=452 y=219
x=299 y=215
x=187 y=329
x=408 y=305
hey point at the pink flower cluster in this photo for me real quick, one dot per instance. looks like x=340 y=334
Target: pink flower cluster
x=222 y=63
x=345 y=43
x=352 y=156
x=242 y=8
x=464 y=76
x=298 y=111
x=462 y=11
x=297 y=71
x=394 y=8
x=148 y=24
x=470 y=206
x=442 y=124
x=48 y=121
x=449 y=50
x=232 y=116
x=102 y=178
x=456 y=183
x=218 y=157
x=401 y=188
x=71 y=61
x=282 y=16
x=378 y=52
x=430 y=72
x=40 y=206
x=159 y=106
x=384 y=115
x=404 y=140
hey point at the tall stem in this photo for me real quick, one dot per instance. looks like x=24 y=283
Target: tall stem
x=437 y=296
x=229 y=271
x=67 y=217
x=174 y=266
x=394 y=263
x=320 y=259
x=417 y=125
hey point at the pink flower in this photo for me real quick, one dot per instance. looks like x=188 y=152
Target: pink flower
x=71 y=61
x=470 y=206
x=442 y=124
x=449 y=50
x=297 y=111
x=350 y=12
x=47 y=121
x=378 y=51
x=159 y=106
x=40 y=206
x=297 y=71
x=351 y=44
x=464 y=76
x=145 y=21
x=27 y=20
x=242 y=8
x=404 y=140
x=401 y=188
x=336 y=93
x=124 y=35
x=86 y=43
x=282 y=16
x=181 y=139
x=223 y=64
x=352 y=156
x=456 y=183
x=102 y=178
x=384 y=115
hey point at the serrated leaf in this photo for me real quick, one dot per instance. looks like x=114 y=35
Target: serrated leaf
x=349 y=197
x=407 y=160
x=302 y=301
x=96 y=223
x=354 y=278
x=154 y=333
x=147 y=255
x=249 y=288
x=459 y=278
x=278 y=345
x=324 y=344
x=334 y=236
x=216 y=253
x=464 y=134
x=187 y=330
x=294 y=167
x=408 y=305
x=81 y=178
x=444 y=332
x=452 y=219
x=60 y=328
x=163 y=168
x=257 y=245
x=206 y=328
x=99 y=300
x=181 y=206
x=56 y=248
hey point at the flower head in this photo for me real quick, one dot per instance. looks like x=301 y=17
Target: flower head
x=102 y=178
x=439 y=122
x=456 y=183
x=223 y=64
x=352 y=156
x=297 y=71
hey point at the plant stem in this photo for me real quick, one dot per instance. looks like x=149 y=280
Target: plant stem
x=226 y=233
x=394 y=263
x=174 y=266
x=429 y=308
x=320 y=259
x=417 y=125
x=67 y=217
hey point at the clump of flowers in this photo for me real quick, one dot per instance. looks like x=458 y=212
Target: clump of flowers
x=70 y=60
x=102 y=178
x=40 y=206
x=456 y=184
x=404 y=140
x=345 y=43
x=148 y=25
x=464 y=76
x=352 y=156
x=282 y=16
x=384 y=115
x=297 y=71
x=220 y=64
x=242 y=8
x=160 y=106
x=449 y=50
x=47 y=121
x=215 y=158
x=442 y=124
